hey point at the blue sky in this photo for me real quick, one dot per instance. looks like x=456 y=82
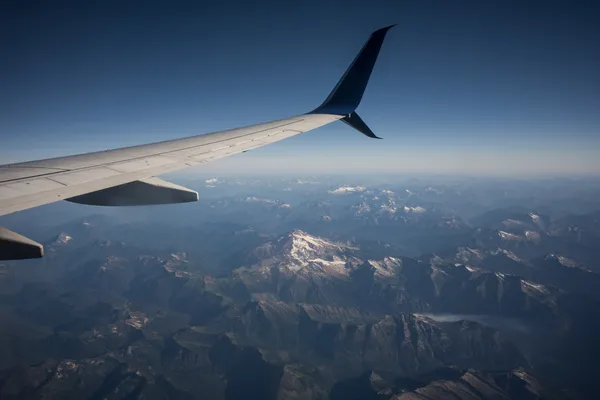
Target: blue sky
x=493 y=87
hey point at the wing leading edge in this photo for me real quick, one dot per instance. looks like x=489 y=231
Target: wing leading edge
x=126 y=176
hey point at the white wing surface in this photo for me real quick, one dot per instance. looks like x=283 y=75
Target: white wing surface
x=30 y=184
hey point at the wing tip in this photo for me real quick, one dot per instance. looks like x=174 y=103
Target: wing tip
x=348 y=92
x=385 y=29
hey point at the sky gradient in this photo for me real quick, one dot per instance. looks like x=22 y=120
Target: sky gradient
x=494 y=87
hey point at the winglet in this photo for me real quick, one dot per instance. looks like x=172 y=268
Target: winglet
x=347 y=94
x=357 y=123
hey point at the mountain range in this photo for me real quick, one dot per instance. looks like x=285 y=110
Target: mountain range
x=395 y=295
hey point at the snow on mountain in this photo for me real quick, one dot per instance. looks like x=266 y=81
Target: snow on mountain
x=467 y=255
x=472 y=269
x=362 y=209
x=513 y=223
x=301 y=254
x=532 y=236
x=253 y=199
x=389 y=206
x=534 y=289
x=566 y=262
x=509 y=236
x=501 y=276
x=348 y=189
x=306 y=182
x=62 y=238
x=301 y=268
x=387 y=267
x=415 y=210
x=508 y=254
x=303 y=248
x=537 y=220
x=181 y=256
x=431 y=189
x=137 y=319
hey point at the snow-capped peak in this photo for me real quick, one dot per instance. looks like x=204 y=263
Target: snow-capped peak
x=302 y=254
x=348 y=189
x=467 y=255
x=362 y=208
x=387 y=267
x=416 y=210
x=508 y=236
x=254 y=199
x=302 y=247
x=537 y=220
x=507 y=253
x=62 y=238
x=566 y=262
x=534 y=289
x=513 y=223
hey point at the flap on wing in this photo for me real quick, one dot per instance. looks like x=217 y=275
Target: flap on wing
x=17 y=247
x=150 y=191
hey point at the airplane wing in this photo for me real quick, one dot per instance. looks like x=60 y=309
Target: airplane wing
x=127 y=176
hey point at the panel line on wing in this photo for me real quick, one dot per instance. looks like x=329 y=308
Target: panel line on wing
x=54 y=180
x=33 y=176
x=14 y=166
